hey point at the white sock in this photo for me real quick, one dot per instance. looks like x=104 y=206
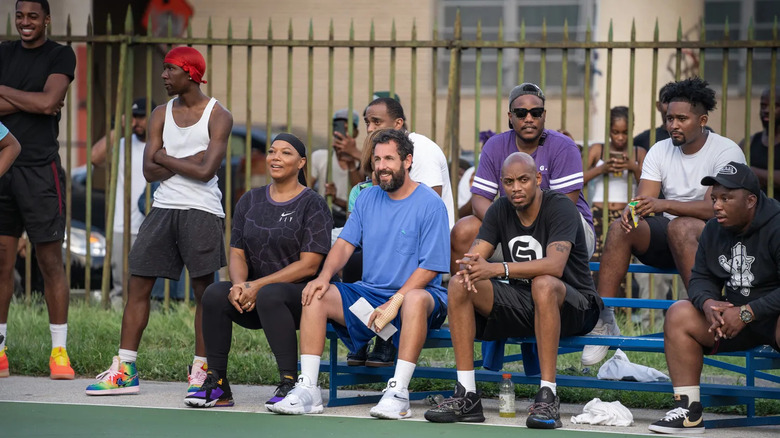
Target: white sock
x=691 y=391
x=403 y=374
x=467 y=379
x=4 y=332
x=127 y=355
x=59 y=335
x=310 y=367
x=201 y=359
x=551 y=385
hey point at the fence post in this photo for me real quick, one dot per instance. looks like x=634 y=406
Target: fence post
x=451 y=135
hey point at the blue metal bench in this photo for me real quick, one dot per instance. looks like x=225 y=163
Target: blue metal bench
x=756 y=360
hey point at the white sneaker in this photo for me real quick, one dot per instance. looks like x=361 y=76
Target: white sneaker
x=394 y=404
x=304 y=398
x=593 y=354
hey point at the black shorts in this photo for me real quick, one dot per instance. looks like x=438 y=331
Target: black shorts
x=513 y=313
x=169 y=239
x=658 y=254
x=32 y=199
x=754 y=334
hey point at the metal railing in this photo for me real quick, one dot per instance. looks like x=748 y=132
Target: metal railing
x=119 y=93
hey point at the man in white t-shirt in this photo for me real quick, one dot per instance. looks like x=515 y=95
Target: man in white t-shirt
x=345 y=168
x=674 y=167
x=429 y=165
x=99 y=155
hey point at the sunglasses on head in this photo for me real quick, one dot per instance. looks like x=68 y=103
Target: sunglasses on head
x=520 y=113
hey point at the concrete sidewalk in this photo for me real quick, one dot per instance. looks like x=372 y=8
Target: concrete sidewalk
x=252 y=399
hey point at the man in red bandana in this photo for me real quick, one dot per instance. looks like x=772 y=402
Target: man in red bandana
x=187 y=140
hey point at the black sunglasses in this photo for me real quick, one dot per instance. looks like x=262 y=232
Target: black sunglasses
x=520 y=113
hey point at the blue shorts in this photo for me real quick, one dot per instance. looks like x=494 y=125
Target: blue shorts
x=355 y=335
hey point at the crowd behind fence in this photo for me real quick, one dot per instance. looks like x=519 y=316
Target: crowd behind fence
x=317 y=56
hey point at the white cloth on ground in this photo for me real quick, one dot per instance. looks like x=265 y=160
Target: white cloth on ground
x=618 y=367
x=604 y=413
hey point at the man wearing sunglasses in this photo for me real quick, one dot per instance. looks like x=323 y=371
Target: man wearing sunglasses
x=557 y=158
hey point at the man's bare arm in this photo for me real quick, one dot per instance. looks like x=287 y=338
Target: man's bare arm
x=480 y=205
x=9 y=150
x=553 y=263
x=220 y=124
x=153 y=171
x=49 y=101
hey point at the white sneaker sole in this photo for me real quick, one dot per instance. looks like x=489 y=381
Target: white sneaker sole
x=675 y=430
x=296 y=410
x=196 y=403
x=117 y=391
x=389 y=415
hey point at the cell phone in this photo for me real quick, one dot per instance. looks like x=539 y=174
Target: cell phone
x=616 y=154
x=340 y=126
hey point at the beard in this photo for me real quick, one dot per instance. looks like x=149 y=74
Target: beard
x=679 y=142
x=395 y=182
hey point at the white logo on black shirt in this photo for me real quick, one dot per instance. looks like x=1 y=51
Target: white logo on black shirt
x=525 y=248
x=739 y=267
x=286 y=216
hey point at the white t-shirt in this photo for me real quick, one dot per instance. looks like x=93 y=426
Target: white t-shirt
x=136 y=189
x=429 y=167
x=618 y=187
x=319 y=171
x=464 y=187
x=680 y=174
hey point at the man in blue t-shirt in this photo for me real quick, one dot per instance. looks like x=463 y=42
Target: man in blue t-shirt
x=557 y=158
x=543 y=289
x=403 y=229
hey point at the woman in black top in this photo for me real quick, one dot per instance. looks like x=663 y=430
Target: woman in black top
x=280 y=236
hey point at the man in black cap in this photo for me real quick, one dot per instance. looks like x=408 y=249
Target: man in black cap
x=99 y=156
x=739 y=249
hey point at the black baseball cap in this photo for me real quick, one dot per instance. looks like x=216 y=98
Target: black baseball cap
x=735 y=176
x=523 y=89
x=139 y=106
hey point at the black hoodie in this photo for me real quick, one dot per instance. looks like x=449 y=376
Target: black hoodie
x=747 y=264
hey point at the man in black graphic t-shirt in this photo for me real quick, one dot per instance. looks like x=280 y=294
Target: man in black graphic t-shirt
x=34 y=76
x=547 y=290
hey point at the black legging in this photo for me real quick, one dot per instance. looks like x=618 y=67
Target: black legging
x=278 y=306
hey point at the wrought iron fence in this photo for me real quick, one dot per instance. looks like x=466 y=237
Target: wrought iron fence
x=118 y=96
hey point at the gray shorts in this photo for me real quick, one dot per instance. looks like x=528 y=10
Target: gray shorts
x=170 y=239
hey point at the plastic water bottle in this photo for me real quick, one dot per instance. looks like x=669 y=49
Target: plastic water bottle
x=506 y=397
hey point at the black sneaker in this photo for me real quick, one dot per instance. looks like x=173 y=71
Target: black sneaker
x=288 y=382
x=462 y=406
x=684 y=418
x=358 y=358
x=215 y=392
x=383 y=354
x=544 y=413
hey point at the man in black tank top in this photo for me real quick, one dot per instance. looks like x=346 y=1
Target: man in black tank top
x=185 y=234
x=759 y=144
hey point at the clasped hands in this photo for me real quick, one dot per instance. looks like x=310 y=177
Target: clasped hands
x=243 y=296
x=724 y=319
x=474 y=268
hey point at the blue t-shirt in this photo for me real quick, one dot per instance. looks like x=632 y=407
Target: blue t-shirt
x=399 y=236
x=3 y=131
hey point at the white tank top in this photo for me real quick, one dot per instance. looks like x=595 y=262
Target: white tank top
x=618 y=187
x=180 y=192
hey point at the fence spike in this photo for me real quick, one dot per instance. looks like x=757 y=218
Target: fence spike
x=129 y=20
x=566 y=29
x=270 y=29
x=311 y=29
x=726 y=28
x=209 y=31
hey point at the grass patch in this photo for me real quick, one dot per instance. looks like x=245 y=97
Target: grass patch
x=168 y=345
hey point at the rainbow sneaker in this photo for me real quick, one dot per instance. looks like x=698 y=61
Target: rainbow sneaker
x=59 y=365
x=121 y=378
x=4 y=363
x=196 y=375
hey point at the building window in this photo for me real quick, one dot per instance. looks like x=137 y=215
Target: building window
x=739 y=14
x=514 y=13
